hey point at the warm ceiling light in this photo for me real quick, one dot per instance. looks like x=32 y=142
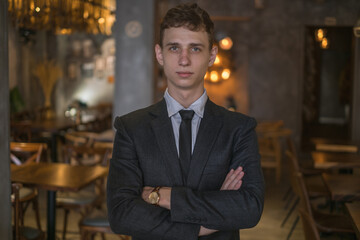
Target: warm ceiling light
x=319 y=34
x=37 y=9
x=225 y=74
x=217 y=60
x=325 y=43
x=214 y=76
x=226 y=43
x=64 y=31
x=101 y=20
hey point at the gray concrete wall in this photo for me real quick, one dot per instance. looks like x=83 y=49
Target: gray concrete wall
x=273 y=43
x=5 y=205
x=134 y=36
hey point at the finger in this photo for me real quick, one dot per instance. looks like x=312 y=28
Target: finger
x=235 y=184
x=229 y=174
x=229 y=180
x=231 y=177
x=226 y=181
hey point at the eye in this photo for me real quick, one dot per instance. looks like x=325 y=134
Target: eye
x=173 y=48
x=196 y=49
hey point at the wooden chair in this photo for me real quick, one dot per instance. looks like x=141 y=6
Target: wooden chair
x=21 y=232
x=313 y=180
x=309 y=226
x=20 y=131
x=270 y=148
x=80 y=138
x=26 y=153
x=92 y=197
x=325 y=222
x=315 y=186
x=97 y=223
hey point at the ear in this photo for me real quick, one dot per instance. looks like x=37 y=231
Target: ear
x=159 y=55
x=213 y=53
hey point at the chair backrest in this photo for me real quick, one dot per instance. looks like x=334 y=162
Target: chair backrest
x=20 y=131
x=269 y=125
x=25 y=153
x=309 y=226
x=79 y=138
x=303 y=193
x=294 y=162
x=86 y=155
x=291 y=146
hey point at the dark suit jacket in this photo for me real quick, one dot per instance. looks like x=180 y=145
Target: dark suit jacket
x=145 y=155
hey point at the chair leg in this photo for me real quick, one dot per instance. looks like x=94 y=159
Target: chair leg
x=37 y=214
x=290 y=211
x=83 y=235
x=287 y=193
x=293 y=227
x=66 y=213
x=289 y=201
x=103 y=236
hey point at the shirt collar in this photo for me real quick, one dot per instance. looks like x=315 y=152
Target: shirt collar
x=173 y=107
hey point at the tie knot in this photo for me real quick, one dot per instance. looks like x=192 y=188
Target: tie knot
x=186 y=114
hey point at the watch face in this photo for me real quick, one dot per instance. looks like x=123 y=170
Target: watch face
x=153 y=197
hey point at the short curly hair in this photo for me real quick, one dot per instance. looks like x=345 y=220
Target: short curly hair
x=190 y=16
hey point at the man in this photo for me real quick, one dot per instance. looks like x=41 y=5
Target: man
x=155 y=190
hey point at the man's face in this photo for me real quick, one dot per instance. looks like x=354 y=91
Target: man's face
x=185 y=57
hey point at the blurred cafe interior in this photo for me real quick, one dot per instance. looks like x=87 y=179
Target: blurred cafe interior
x=69 y=67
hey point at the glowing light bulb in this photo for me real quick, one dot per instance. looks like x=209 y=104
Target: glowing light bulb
x=217 y=60
x=226 y=43
x=319 y=35
x=101 y=20
x=214 y=76
x=225 y=74
x=325 y=43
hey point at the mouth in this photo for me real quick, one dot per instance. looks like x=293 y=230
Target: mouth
x=184 y=74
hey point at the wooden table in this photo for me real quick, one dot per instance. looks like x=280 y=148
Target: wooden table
x=53 y=177
x=106 y=136
x=343 y=187
x=334 y=160
x=335 y=145
x=53 y=127
x=354 y=212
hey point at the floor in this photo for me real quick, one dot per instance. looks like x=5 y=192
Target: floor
x=268 y=228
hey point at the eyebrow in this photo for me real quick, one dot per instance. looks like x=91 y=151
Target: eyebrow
x=191 y=44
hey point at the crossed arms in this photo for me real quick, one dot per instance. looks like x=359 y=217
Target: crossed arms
x=232 y=181
x=184 y=212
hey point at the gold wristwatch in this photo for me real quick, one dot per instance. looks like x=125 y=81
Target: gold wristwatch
x=154 y=196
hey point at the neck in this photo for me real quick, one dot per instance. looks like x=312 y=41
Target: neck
x=186 y=97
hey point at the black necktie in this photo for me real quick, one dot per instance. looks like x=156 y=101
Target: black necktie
x=185 y=141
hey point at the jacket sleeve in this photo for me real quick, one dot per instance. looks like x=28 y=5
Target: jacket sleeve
x=227 y=210
x=128 y=213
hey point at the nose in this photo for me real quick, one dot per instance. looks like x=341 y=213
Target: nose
x=184 y=58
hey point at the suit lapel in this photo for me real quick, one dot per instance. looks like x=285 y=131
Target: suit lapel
x=209 y=129
x=165 y=138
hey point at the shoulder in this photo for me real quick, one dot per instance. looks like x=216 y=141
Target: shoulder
x=140 y=116
x=231 y=118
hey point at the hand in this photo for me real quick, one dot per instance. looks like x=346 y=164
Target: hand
x=233 y=180
x=206 y=231
x=145 y=193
